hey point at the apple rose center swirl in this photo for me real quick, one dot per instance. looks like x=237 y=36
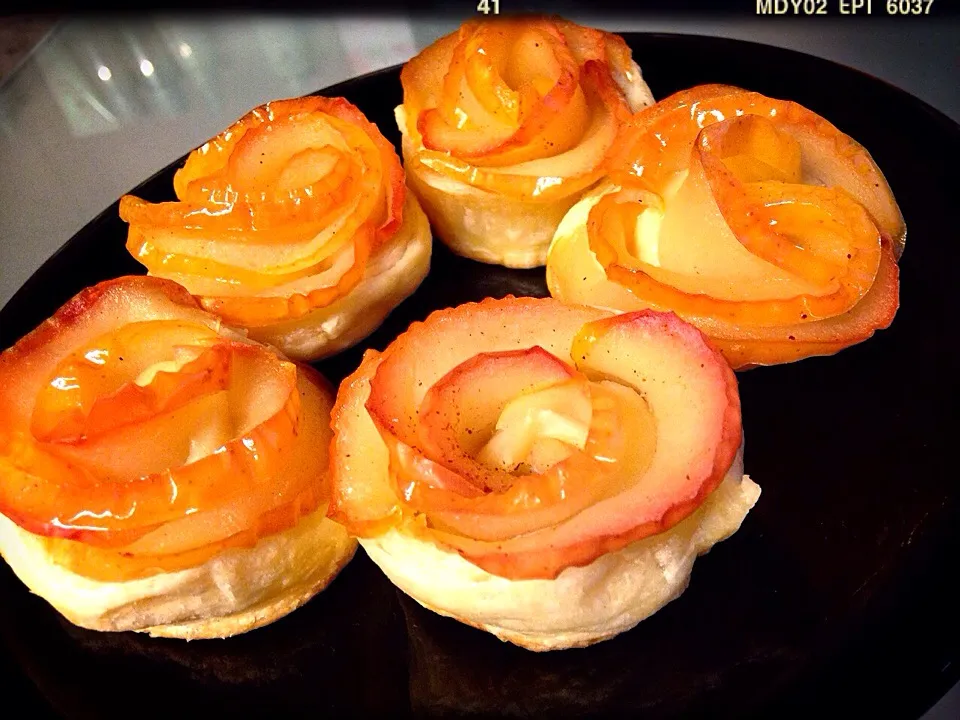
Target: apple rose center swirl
x=524 y=110
x=529 y=436
x=753 y=218
x=142 y=437
x=278 y=215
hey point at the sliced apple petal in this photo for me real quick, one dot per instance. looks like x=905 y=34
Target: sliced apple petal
x=724 y=208
x=660 y=430
x=170 y=448
x=363 y=498
x=400 y=386
x=540 y=428
x=693 y=397
x=461 y=410
x=505 y=122
x=536 y=79
x=161 y=388
x=423 y=354
x=268 y=211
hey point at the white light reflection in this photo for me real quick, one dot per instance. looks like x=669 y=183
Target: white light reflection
x=97 y=357
x=103 y=72
x=146 y=67
x=701 y=116
x=65 y=383
x=57 y=522
x=545 y=182
x=104 y=514
x=250 y=445
x=72 y=525
x=185 y=50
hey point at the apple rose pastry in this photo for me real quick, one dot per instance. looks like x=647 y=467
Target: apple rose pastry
x=293 y=223
x=161 y=473
x=544 y=472
x=752 y=218
x=506 y=123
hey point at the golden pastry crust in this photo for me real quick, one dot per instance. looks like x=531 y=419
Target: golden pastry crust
x=234 y=592
x=582 y=606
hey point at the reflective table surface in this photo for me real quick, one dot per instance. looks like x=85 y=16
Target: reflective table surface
x=103 y=103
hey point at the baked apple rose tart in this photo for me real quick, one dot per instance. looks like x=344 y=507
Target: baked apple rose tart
x=544 y=472
x=506 y=122
x=159 y=472
x=293 y=223
x=753 y=218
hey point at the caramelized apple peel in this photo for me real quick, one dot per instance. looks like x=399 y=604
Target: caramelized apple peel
x=752 y=218
x=278 y=215
x=526 y=107
x=142 y=436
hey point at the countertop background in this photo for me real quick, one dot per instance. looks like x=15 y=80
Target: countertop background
x=89 y=107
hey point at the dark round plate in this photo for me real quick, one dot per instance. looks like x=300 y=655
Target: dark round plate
x=836 y=597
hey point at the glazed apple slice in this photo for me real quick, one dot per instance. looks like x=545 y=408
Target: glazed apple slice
x=752 y=218
x=692 y=398
x=127 y=377
x=461 y=411
x=142 y=436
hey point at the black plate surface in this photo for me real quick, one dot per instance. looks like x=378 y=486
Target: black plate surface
x=836 y=598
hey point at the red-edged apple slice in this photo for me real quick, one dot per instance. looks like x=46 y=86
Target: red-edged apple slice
x=457 y=485
x=363 y=498
x=459 y=413
x=692 y=395
x=664 y=429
